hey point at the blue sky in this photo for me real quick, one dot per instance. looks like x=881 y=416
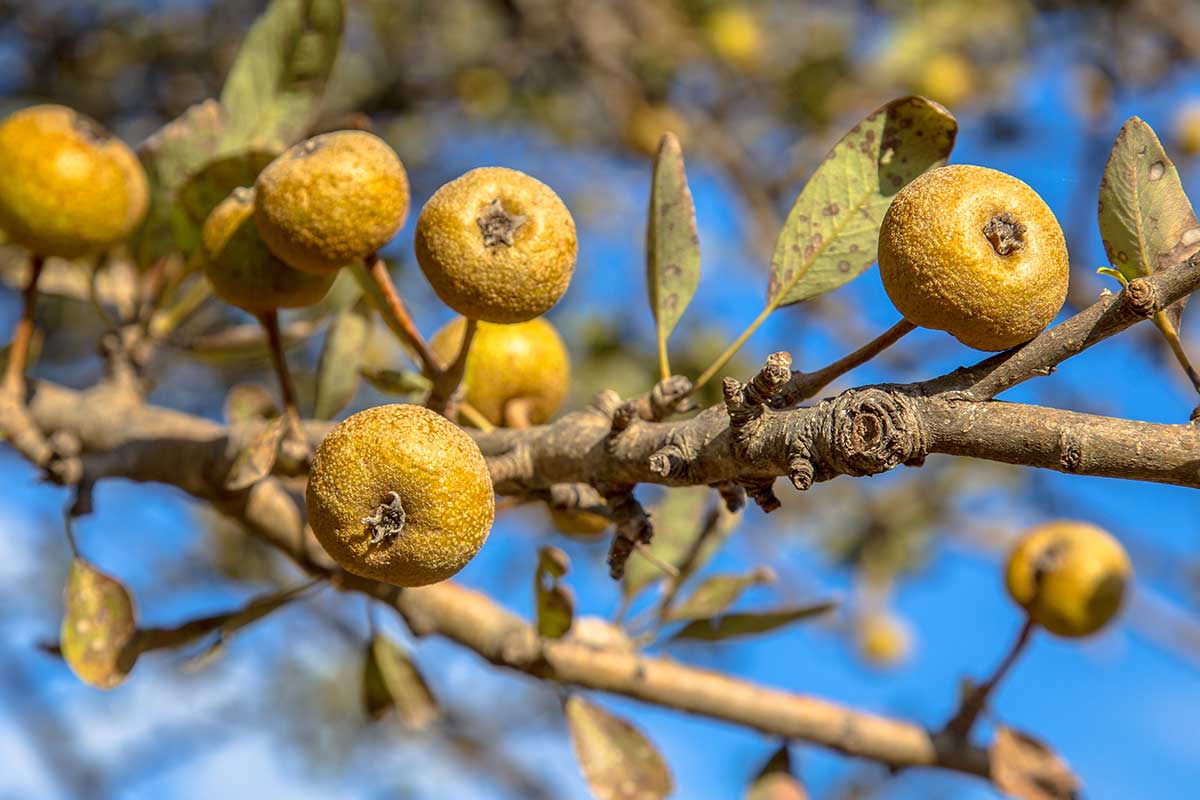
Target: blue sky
x=1120 y=708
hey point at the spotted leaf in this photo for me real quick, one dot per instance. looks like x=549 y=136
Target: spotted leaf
x=672 y=244
x=1146 y=221
x=832 y=232
x=618 y=761
x=274 y=88
x=98 y=628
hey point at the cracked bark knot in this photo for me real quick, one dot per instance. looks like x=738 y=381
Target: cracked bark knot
x=1141 y=297
x=668 y=462
x=870 y=431
x=388 y=520
x=669 y=395
x=1070 y=451
x=800 y=472
x=771 y=379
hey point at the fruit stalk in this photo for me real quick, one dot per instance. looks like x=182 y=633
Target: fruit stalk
x=396 y=315
x=449 y=378
x=959 y=727
x=18 y=353
x=472 y=415
x=270 y=324
x=1171 y=334
x=814 y=382
x=516 y=413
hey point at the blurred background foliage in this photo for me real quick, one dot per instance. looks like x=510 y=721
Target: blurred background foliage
x=578 y=92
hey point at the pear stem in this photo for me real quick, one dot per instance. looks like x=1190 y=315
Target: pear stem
x=517 y=413
x=973 y=704
x=69 y=530
x=270 y=323
x=395 y=313
x=448 y=378
x=816 y=381
x=18 y=353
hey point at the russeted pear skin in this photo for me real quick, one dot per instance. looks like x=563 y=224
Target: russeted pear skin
x=976 y=253
x=243 y=272
x=497 y=245
x=67 y=186
x=400 y=494
x=332 y=200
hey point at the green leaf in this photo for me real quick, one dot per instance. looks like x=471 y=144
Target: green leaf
x=555 y=601
x=832 y=232
x=377 y=699
x=716 y=594
x=256 y=458
x=248 y=402
x=392 y=682
x=341 y=357
x=775 y=780
x=170 y=156
x=729 y=626
x=344 y=293
x=98 y=626
x=688 y=529
x=273 y=91
x=672 y=244
x=247 y=342
x=406 y=383
x=205 y=188
x=618 y=761
x=224 y=624
x=1146 y=220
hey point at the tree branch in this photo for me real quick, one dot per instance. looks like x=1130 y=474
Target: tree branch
x=1067 y=441
x=744 y=442
x=130 y=443
x=1108 y=316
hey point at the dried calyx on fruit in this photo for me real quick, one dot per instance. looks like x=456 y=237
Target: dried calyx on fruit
x=497 y=245
x=976 y=253
x=400 y=494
